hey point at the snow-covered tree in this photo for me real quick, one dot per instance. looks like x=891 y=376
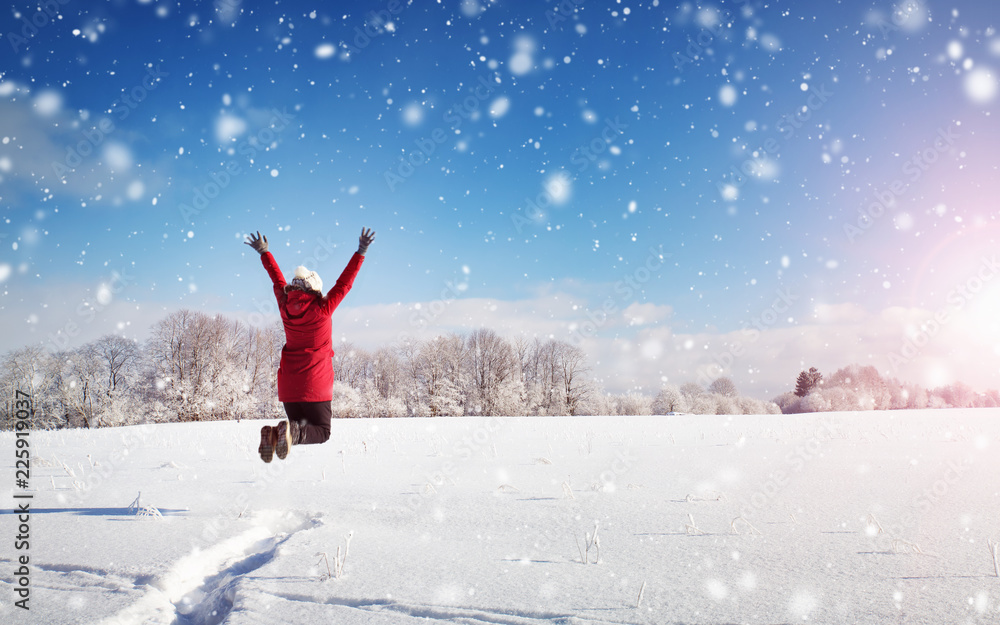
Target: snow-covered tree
x=34 y=371
x=346 y=402
x=958 y=395
x=375 y=405
x=723 y=386
x=814 y=402
x=572 y=368
x=633 y=403
x=668 y=399
x=787 y=402
x=351 y=364
x=441 y=377
x=691 y=390
x=703 y=403
x=838 y=398
x=203 y=367
x=916 y=397
x=601 y=403
x=866 y=382
x=725 y=404
x=491 y=362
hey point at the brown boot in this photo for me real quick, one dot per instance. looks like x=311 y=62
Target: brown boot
x=284 y=435
x=268 y=439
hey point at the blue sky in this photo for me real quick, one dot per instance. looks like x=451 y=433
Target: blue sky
x=702 y=168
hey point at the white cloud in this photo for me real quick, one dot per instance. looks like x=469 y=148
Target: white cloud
x=62 y=154
x=646 y=314
x=828 y=314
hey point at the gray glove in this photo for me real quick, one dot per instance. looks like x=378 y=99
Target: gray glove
x=366 y=238
x=259 y=244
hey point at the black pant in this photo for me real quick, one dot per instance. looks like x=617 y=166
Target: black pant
x=313 y=418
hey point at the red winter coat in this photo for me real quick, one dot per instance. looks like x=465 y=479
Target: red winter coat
x=305 y=372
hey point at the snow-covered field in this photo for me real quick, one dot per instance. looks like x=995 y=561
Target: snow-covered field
x=831 y=518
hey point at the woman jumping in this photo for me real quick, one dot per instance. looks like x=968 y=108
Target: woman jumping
x=305 y=373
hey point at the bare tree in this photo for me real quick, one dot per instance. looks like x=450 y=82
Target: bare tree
x=261 y=356
x=119 y=358
x=572 y=367
x=197 y=358
x=34 y=371
x=548 y=378
x=724 y=387
x=81 y=389
x=351 y=365
x=168 y=345
x=440 y=375
x=691 y=390
x=386 y=372
x=491 y=362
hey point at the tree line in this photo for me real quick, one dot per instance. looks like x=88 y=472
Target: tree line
x=858 y=387
x=199 y=367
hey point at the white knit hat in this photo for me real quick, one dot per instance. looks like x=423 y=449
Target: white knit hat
x=307 y=280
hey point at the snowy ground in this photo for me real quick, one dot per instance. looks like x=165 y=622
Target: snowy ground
x=470 y=520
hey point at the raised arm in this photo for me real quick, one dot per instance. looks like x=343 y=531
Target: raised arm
x=259 y=244
x=346 y=280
